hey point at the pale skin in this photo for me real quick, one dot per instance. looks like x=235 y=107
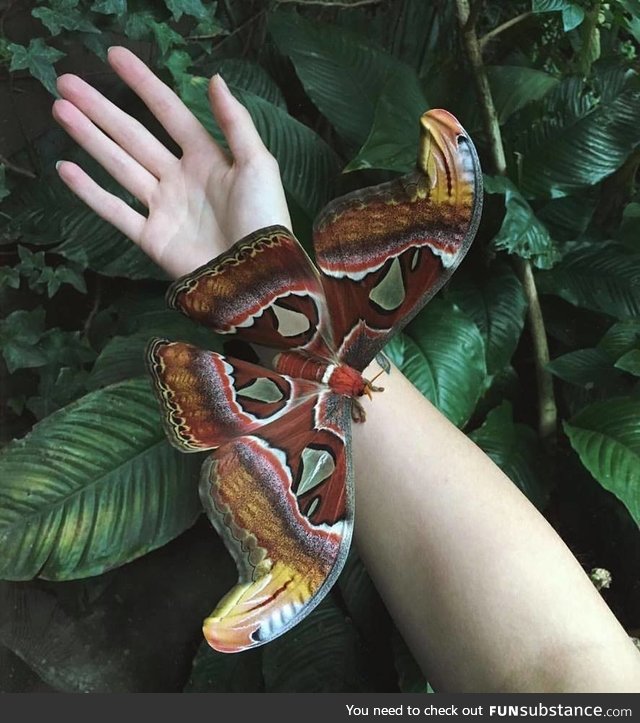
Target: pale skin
x=486 y=594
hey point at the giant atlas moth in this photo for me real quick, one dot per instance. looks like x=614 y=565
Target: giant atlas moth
x=278 y=484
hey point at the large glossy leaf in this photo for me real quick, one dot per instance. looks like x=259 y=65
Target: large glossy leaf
x=602 y=365
x=584 y=367
x=393 y=140
x=123 y=356
x=568 y=217
x=251 y=77
x=442 y=353
x=630 y=362
x=572 y=13
x=603 y=278
x=515 y=449
x=606 y=436
x=408 y=357
x=215 y=672
x=576 y=139
x=622 y=337
x=132 y=630
x=496 y=303
x=513 y=86
x=340 y=70
x=48 y=213
x=319 y=655
x=307 y=164
x=93 y=486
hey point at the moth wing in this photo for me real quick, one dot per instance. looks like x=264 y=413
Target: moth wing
x=207 y=399
x=384 y=251
x=265 y=290
x=282 y=500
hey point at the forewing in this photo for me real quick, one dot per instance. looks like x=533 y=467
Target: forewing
x=207 y=399
x=264 y=289
x=282 y=499
x=386 y=250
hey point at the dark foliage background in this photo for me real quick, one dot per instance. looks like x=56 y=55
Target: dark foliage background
x=108 y=565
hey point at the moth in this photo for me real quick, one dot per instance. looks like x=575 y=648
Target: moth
x=278 y=482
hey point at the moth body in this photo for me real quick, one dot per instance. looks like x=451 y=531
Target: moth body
x=340 y=378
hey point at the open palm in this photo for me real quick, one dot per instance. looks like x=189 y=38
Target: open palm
x=198 y=204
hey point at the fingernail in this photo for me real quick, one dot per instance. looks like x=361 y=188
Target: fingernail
x=58 y=164
x=222 y=82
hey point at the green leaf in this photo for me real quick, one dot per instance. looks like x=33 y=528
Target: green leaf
x=123 y=356
x=340 y=70
x=93 y=486
x=567 y=218
x=392 y=143
x=307 y=164
x=603 y=278
x=521 y=233
x=71 y=276
x=576 y=137
x=606 y=436
x=496 y=303
x=215 y=672
x=177 y=63
x=251 y=77
x=572 y=17
x=584 y=367
x=64 y=16
x=514 y=86
x=138 y=25
x=408 y=357
x=319 y=655
x=442 y=354
x=194 y=8
x=572 y=13
x=630 y=362
x=121 y=359
x=165 y=36
x=57 y=388
x=20 y=335
x=110 y=7
x=9 y=276
x=515 y=449
x=621 y=338
x=102 y=634
x=38 y=58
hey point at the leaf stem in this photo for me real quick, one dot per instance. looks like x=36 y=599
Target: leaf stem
x=501 y=28
x=16 y=169
x=547 y=411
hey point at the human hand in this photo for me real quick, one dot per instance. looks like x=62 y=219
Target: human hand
x=199 y=204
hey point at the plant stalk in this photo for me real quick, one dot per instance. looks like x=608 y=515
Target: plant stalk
x=501 y=28
x=547 y=411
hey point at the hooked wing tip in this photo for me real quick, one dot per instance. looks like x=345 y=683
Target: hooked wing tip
x=439 y=121
x=254 y=613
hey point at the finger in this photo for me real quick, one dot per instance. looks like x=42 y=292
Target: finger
x=179 y=122
x=235 y=122
x=105 y=204
x=123 y=128
x=126 y=170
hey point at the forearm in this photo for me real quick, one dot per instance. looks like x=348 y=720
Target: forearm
x=486 y=594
